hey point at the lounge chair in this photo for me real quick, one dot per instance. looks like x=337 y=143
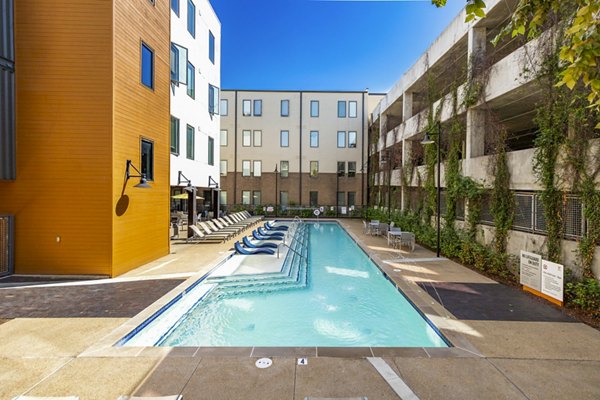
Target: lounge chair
x=250 y=216
x=262 y=232
x=240 y=250
x=271 y=227
x=258 y=245
x=212 y=233
x=237 y=221
x=226 y=223
x=257 y=236
x=222 y=228
x=200 y=236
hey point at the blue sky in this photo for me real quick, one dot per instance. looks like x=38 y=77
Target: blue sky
x=325 y=45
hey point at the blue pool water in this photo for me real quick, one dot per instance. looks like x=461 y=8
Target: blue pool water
x=347 y=302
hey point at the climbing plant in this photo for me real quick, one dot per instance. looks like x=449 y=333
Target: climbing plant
x=502 y=200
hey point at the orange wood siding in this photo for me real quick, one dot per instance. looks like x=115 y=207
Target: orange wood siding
x=141 y=233
x=64 y=104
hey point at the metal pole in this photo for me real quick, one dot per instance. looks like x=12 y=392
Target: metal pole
x=439 y=206
x=276 y=192
x=337 y=192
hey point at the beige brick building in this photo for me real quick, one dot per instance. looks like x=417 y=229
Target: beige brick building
x=294 y=148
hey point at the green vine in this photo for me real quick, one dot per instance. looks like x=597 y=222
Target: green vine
x=502 y=205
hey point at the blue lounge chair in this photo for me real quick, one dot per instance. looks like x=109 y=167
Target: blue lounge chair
x=258 y=236
x=240 y=250
x=261 y=231
x=270 y=227
x=251 y=245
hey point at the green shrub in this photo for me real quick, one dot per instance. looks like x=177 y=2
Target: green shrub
x=584 y=294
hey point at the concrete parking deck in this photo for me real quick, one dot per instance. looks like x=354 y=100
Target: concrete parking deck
x=518 y=347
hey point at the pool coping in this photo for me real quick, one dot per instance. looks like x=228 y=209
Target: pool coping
x=442 y=320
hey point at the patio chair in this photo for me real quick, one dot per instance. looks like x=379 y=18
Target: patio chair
x=226 y=223
x=271 y=227
x=382 y=229
x=240 y=250
x=212 y=233
x=215 y=224
x=257 y=236
x=200 y=236
x=263 y=232
x=261 y=243
x=408 y=238
x=366 y=228
x=234 y=219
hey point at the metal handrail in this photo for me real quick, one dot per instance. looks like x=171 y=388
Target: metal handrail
x=283 y=244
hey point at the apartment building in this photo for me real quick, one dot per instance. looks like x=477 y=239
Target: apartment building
x=195 y=121
x=84 y=128
x=508 y=98
x=294 y=149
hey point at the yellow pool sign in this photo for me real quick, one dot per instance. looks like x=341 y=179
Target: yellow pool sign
x=542 y=277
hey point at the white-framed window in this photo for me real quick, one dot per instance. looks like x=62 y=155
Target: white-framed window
x=224 y=107
x=284 y=169
x=246 y=138
x=351 y=169
x=223 y=137
x=257 y=138
x=352 y=139
x=179 y=63
x=341 y=109
x=257 y=168
x=314 y=169
x=352 y=109
x=245 y=167
x=246 y=197
x=256 y=198
x=314 y=138
x=284 y=138
x=223 y=197
x=223 y=167
x=246 y=108
x=341 y=139
x=213 y=99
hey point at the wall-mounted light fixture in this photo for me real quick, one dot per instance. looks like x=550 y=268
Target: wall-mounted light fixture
x=181 y=178
x=212 y=183
x=143 y=182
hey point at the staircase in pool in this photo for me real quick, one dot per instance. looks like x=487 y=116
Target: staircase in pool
x=293 y=274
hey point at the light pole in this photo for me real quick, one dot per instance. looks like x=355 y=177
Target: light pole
x=428 y=140
x=276 y=192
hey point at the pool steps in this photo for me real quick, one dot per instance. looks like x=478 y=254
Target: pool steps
x=293 y=274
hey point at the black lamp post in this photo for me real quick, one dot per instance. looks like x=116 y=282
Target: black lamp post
x=276 y=192
x=427 y=140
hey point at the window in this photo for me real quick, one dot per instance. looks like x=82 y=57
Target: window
x=257 y=168
x=223 y=167
x=246 y=197
x=246 y=168
x=147 y=66
x=246 y=108
x=257 y=138
x=314 y=169
x=341 y=168
x=352 y=109
x=147 y=164
x=175 y=6
x=284 y=198
x=314 y=138
x=174 y=135
x=190 y=142
x=314 y=199
x=284 y=138
x=191 y=18
x=284 y=169
x=352 y=139
x=223 y=138
x=191 y=85
x=179 y=62
x=351 y=169
x=341 y=140
x=211 y=151
x=341 y=198
x=256 y=200
x=351 y=199
x=223 y=197
x=341 y=109
x=224 y=107
x=257 y=108
x=246 y=138
x=314 y=108
x=213 y=99
x=211 y=47
x=285 y=108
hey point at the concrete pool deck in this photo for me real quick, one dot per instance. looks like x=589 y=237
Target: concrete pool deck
x=522 y=347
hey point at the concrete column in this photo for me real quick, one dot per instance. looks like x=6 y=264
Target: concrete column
x=476 y=47
x=407 y=105
x=475 y=133
x=406 y=154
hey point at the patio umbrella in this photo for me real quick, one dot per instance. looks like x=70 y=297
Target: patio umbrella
x=184 y=196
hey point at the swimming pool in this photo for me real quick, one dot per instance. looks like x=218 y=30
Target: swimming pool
x=339 y=298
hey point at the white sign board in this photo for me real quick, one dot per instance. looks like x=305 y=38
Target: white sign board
x=531 y=267
x=552 y=279
x=303 y=361
x=344 y=210
x=270 y=209
x=317 y=212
